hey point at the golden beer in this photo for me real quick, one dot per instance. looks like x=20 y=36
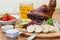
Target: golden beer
x=25 y=9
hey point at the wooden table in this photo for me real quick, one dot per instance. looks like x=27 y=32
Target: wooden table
x=22 y=37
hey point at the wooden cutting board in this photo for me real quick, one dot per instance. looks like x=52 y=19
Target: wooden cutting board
x=40 y=35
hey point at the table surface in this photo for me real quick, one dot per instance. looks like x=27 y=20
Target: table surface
x=22 y=37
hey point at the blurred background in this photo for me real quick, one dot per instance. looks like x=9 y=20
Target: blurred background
x=12 y=6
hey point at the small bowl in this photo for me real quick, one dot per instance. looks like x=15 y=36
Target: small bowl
x=10 y=21
x=7 y=27
x=12 y=33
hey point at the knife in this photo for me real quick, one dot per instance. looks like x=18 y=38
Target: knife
x=32 y=36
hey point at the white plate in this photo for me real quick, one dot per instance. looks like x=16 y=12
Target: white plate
x=11 y=21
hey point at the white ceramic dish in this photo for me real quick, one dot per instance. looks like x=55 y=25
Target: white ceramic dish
x=6 y=27
x=11 y=21
x=12 y=33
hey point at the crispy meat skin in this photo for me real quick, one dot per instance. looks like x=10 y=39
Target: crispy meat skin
x=45 y=11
